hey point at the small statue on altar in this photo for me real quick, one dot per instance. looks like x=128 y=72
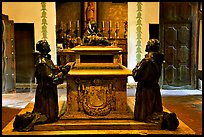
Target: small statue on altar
x=46 y=98
x=148 y=102
x=93 y=37
x=93 y=29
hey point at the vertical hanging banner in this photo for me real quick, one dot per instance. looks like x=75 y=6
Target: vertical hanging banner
x=139 y=31
x=44 y=21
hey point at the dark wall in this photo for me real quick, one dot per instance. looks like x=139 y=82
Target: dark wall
x=24 y=46
x=106 y=11
x=68 y=11
x=116 y=12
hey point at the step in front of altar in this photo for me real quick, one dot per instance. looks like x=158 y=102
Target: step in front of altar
x=98 y=124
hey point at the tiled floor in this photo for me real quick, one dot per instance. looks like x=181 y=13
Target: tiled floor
x=188 y=108
x=187 y=104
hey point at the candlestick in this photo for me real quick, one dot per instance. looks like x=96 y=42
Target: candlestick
x=117 y=25
x=70 y=24
x=125 y=32
x=117 y=30
x=110 y=24
x=102 y=24
x=67 y=29
x=109 y=30
x=77 y=23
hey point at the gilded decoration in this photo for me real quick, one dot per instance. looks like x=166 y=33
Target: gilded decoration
x=95 y=96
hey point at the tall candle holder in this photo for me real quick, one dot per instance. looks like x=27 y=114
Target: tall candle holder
x=102 y=27
x=117 y=30
x=109 y=30
x=64 y=43
x=77 y=29
x=67 y=29
x=70 y=28
x=125 y=32
x=59 y=33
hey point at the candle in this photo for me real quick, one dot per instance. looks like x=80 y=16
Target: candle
x=77 y=23
x=110 y=24
x=102 y=24
x=70 y=24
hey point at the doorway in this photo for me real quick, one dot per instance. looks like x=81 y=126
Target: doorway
x=178 y=35
x=154 y=31
x=24 y=47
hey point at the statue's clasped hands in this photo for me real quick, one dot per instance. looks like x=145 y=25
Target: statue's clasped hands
x=70 y=64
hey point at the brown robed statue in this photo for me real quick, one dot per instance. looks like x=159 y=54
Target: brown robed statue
x=46 y=99
x=148 y=103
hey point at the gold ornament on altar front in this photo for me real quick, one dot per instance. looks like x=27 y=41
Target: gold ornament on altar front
x=96 y=102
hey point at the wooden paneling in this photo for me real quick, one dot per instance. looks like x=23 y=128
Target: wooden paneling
x=178 y=35
x=8 y=55
x=178 y=54
x=24 y=41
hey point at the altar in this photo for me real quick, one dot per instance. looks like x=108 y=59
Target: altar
x=96 y=86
